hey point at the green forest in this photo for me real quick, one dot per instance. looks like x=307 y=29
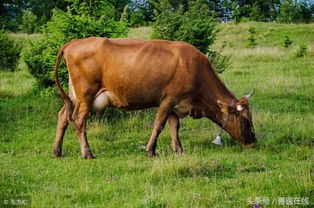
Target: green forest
x=29 y=16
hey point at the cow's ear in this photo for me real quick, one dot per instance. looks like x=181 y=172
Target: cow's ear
x=224 y=107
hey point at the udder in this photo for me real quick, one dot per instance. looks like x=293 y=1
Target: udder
x=102 y=100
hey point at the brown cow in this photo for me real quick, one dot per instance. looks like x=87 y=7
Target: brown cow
x=136 y=74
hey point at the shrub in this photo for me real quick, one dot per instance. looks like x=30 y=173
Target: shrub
x=9 y=52
x=194 y=25
x=235 y=15
x=28 y=22
x=252 y=39
x=287 y=42
x=137 y=19
x=79 y=21
x=302 y=51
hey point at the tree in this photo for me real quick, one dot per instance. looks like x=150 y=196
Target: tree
x=118 y=6
x=298 y=12
x=141 y=13
x=28 y=22
x=43 y=8
x=11 y=11
x=137 y=19
x=9 y=14
x=80 y=21
x=286 y=11
x=258 y=10
x=125 y=14
x=304 y=12
x=255 y=13
x=196 y=25
x=9 y=52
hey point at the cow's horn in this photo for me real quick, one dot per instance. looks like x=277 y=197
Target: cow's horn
x=250 y=94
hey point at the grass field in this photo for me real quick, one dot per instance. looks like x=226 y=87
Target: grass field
x=206 y=175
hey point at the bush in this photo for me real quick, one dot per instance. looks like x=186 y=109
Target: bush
x=9 y=52
x=252 y=40
x=194 y=25
x=302 y=51
x=287 y=42
x=80 y=21
x=137 y=19
x=28 y=22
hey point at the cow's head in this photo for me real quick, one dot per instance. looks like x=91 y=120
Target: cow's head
x=237 y=120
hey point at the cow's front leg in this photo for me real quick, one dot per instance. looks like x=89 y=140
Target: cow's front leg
x=80 y=125
x=174 y=124
x=159 y=124
x=61 y=128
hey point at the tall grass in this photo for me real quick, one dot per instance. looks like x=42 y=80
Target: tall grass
x=141 y=33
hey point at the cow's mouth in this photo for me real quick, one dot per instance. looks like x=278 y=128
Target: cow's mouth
x=248 y=133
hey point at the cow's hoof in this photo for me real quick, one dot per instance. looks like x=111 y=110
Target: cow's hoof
x=57 y=153
x=151 y=153
x=179 y=151
x=88 y=156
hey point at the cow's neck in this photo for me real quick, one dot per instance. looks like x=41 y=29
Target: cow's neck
x=216 y=90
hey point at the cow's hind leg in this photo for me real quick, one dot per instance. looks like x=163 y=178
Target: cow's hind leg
x=174 y=123
x=79 y=118
x=61 y=127
x=159 y=124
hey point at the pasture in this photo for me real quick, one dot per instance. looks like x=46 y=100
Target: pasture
x=206 y=175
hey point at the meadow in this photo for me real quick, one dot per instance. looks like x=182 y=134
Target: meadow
x=280 y=167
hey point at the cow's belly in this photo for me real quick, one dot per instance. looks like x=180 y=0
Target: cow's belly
x=137 y=88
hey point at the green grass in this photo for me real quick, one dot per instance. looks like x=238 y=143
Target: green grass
x=206 y=175
x=26 y=36
x=141 y=33
x=268 y=34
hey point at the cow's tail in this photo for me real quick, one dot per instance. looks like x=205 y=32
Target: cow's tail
x=63 y=94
